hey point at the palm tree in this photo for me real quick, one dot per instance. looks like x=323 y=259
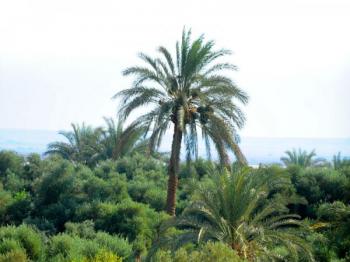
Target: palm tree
x=84 y=143
x=190 y=94
x=302 y=158
x=340 y=162
x=118 y=141
x=88 y=145
x=236 y=209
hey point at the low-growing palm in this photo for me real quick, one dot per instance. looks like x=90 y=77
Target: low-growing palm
x=340 y=162
x=118 y=141
x=84 y=144
x=189 y=93
x=88 y=145
x=302 y=158
x=235 y=209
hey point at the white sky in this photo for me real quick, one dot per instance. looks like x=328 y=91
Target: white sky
x=61 y=61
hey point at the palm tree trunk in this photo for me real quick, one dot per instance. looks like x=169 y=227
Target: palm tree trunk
x=173 y=170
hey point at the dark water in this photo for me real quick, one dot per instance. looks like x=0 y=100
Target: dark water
x=257 y=149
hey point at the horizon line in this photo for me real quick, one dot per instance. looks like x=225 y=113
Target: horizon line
x=242 y=136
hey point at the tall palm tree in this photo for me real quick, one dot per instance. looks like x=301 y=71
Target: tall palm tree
x=302 y=158
x=84 y=142
x=189 y=93
x=236 y=209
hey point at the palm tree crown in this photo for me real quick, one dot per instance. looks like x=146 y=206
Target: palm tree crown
x=83 y=144
x=235 y=209
x=340 y=162
x=301 y=158
x=190 y=93
x=88 y=145
x=118 y=141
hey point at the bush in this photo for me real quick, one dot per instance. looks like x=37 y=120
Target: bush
x=84 y=229
x=10 y=161
x=65 y=247
x=138 y=164
x=20 y=208
x=14 y=256
x=209 y=252
x=115 y=244
x=145 y=190
x=318 y=185
x=104 y=256
x=103 y=240
x=22 y=238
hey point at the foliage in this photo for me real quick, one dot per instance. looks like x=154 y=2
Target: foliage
x=118 y=141
x=14 y=256
x=340 y=162
x=319 y=185
x=20 y=242
x=188 y=91
x=104 y=256
x=232 y=210
x=88 y=145
x=337 y=229
x=207 y=253
x=302 y=158
x=11 y=161
x=115 y=208
x=82 y=147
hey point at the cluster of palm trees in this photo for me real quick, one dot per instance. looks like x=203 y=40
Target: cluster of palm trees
x=88 y=145
x=303 y=158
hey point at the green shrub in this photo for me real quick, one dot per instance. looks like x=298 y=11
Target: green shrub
x=8 y=245
x=100 y=240
x=115 y=244
x=84 y=229
x=27 y=239
x=14 y=256
x=210 y=252
x=10 y=161
x=103 y=256
x=145 y=190
x=20 y=208
x=64 y=247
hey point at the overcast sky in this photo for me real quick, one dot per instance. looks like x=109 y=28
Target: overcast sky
x=61 y=61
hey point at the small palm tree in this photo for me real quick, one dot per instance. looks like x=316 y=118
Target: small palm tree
x=340 y=162
x=191 y=94
x=84 y=142
x=302 y=158
x=88 y=145
x=235 y=209
x=118 y=141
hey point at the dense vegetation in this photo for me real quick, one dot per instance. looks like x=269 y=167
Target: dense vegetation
x=54 y=209
x=106 y=194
